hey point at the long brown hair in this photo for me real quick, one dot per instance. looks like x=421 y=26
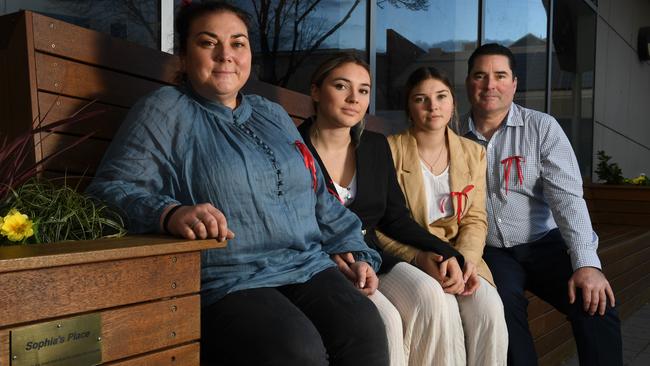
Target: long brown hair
x=325 y=68
x=429 y=72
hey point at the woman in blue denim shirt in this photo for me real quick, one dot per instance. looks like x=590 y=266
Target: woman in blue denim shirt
x=204 y=161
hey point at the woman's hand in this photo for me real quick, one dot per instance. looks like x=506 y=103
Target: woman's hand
x=453 y=277
x=429 y=263
x=343 y=262
x=359 y=273
x=470 y=277
x=366 y=278
x=200 y=221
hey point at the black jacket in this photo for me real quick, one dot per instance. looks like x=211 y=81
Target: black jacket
x=379 y=201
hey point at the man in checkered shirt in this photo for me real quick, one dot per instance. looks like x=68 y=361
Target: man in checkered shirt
x=539 y=232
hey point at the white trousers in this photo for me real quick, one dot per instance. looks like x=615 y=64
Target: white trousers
x=426 y=327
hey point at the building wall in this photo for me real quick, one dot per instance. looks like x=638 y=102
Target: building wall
x=622 y=95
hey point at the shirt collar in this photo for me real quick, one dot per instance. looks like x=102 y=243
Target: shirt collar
x=240 y=114
x=511 y=120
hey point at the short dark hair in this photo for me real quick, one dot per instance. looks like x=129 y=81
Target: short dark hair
x=493 y=49
x=190 y=12
x=425 y=73
x=325 y=68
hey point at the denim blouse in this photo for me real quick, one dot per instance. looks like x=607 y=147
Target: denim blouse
x=176 y=147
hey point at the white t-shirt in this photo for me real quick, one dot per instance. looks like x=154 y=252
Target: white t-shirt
x=437 y=190
x=348 y=193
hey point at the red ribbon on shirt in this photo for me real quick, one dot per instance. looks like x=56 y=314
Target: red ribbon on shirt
x=507 y=165
x=459 y=197
x=309 y=162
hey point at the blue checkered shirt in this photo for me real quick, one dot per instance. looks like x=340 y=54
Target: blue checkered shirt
x=550 y=192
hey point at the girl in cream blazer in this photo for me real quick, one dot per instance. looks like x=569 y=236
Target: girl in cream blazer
x=442 y=176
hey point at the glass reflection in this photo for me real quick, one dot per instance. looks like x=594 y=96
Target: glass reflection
x=572 y=75
x=416 y=33
x=291 y=38
x=521 y=25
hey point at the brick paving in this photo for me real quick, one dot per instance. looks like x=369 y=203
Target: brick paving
x=636 y=339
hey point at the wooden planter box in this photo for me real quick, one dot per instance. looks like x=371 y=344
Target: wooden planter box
x=618 y=204
x=141 y=291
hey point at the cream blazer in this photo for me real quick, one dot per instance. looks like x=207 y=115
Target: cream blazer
x=467 y=167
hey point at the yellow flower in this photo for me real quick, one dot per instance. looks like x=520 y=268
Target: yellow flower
x=16 y=226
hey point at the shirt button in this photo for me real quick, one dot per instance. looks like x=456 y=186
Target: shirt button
x=499 y=221
x=363 y=232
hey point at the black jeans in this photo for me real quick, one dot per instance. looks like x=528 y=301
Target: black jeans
x=543 y=267
x=323 y=321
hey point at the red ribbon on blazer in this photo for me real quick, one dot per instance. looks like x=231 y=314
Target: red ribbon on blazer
x=507 y=165
x=309 y=162
x=459 y=197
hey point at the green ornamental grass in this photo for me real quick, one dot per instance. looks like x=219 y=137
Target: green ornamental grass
x=60 y=213
x=36 y=210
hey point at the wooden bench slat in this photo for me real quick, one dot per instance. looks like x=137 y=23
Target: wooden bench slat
x=61 y=76
x=616 y=192
x=82 y=160
x=53 y=108
x=96 y=48
x=553 y=339
x=615 y=252
x=615 y=269
x=147 y=327
x=185 y=355
x=25 y=257
x=86 y=287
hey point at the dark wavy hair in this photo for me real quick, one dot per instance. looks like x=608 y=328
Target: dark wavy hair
x=425 y=73
x=189 y=12
x=325 y=68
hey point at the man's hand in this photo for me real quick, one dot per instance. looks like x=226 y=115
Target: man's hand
x=595 y=289
x=360 y=273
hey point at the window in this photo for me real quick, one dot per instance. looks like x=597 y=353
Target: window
x=521 y=25
x=415 y=33
x=307 y=32
x=572 y=75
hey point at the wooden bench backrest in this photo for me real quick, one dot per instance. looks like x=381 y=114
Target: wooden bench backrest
x=50 y=69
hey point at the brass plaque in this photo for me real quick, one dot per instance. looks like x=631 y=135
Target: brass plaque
x=71 y=341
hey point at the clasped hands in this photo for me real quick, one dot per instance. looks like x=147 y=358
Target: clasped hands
x=360 y=273
x=448 y=273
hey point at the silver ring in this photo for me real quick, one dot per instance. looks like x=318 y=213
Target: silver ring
x=196 y=221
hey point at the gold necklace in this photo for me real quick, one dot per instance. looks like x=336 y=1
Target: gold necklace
x=430 y=166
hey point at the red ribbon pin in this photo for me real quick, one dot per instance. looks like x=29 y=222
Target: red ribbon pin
x=309 y=162
x=507 y=165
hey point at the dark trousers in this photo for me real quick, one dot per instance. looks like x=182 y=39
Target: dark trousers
x=323 y=321
x=543 y=267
